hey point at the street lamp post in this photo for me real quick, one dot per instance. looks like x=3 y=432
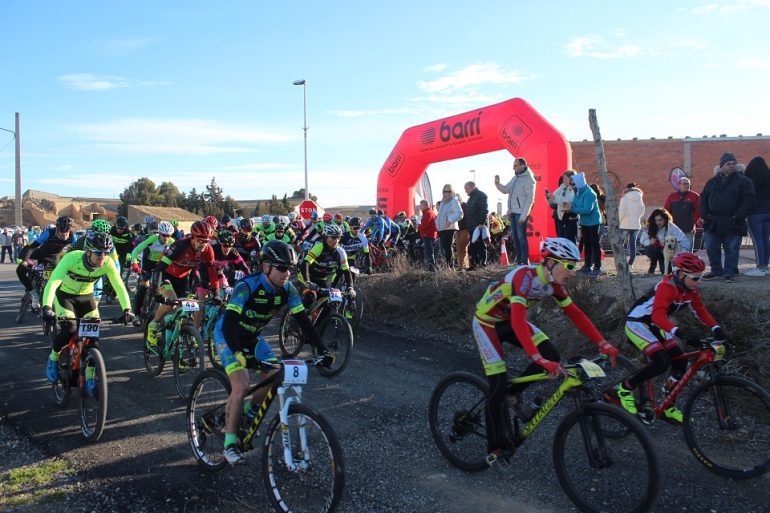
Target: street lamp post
x=17 y=206
x=303 y=83
x=474 y=175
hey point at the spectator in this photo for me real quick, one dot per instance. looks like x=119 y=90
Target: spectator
x=631 y=211
x=32 y=234
x=725 y=202
x=476 y=221
x=462 y=238
x=759 y=216
x=684 y=209
x=566 y=222
x=17 y=241
x=449 y=213
x=660 y=226
x=601 y=199
x=521 y=197
x=427 y=231
x=586 y=206
x=5 y=242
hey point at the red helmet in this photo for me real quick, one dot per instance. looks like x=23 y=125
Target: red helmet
x=201 y=229
x=689 y=263
x=212 y=221
x=338 y=216
x=327 y=217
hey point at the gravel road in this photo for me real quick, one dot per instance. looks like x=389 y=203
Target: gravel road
x=378 y=408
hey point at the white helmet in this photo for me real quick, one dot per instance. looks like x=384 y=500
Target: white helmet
x=291 y=216
x=266 y=218
x=166 y=228
x=559 y=247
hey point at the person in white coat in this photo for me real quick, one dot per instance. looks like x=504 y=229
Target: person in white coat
x=631 y=212
x=449 y=213
x=566 y=222
x=521 y=197
x=660 y=226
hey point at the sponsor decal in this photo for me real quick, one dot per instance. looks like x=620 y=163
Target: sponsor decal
x=394 y=163
x=514 y=132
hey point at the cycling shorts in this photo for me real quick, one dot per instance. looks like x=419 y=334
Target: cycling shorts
x=261 y=351
x=178 y=285
x=489 y=341
x=644 y=337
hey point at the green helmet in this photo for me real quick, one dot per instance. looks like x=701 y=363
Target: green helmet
x=101 y=226
x=174 y=223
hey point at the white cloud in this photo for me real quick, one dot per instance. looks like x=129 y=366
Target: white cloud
x=596 y=47
x=90 y=82
x=178 y=136
x=436 y=68
x=473 y=75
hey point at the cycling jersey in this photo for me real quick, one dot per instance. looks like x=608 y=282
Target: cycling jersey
x=344 y=226
x=666 y=298
x=154 y=247
x=322 y=264
x=246 y=243
x=180 y=259
x=353 y=244
x=46 y=245
x=377 y=225
x=71 y=276
x=264 y=230
x=286 y=238
x=122 y=241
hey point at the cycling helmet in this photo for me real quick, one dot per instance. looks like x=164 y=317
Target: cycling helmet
x=266 y=218
x=212 y=221
x=225 y=238
x=200 y=229
x=401 y=214
x=276 y=219
x=121 y=222
x=174 y=223
x=332 y=230
x=101 y=226
x=165 y=228
x=413 y=219
x=292 y=216
x=314 y=215
x=380 y=212
x=327 y=217
x=355 y=222
x=689 y=263
x=152 y=227
x=64 y=224
x=246 y=224
x=372 y=212
x=280 y=227
x=225 y=219
x=96 y=241
x=338 y=216
x=136 y=227
x=279 y=253
x=148 y=219
x=559 y=247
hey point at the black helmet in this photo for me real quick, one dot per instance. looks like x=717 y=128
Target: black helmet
x=372 y=212
x=121 y=222
x=276 y=219
x=96 y=241
x=136 y=227
x=246 y=224
x=225 y=219
x=280 y=227
x=380 y=212
x=64 y=224
x=226 y=238
x=279 y=253
x=355 y=222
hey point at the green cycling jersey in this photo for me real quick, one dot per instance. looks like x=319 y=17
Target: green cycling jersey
x=72 y=277
x=156 y=246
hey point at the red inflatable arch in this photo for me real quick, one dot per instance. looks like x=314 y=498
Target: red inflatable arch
x=513 y=125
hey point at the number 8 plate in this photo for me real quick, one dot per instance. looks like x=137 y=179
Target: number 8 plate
x=88 y=328
x=294 y=372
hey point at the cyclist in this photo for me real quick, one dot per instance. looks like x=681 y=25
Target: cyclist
x=136 y=231
x=213 y=222
x=255 y=300
x=150 y=225
x=377 y=225
x=48 y=247
x=313 y=234
x=296 y=226
x=70 y=293
x=340 y=221
x=177 y=232
x=226 y=223
x=265 y=228
x=150 y=250
x=501 y=316
x=323 y=262
x=246 y=242
x=172 y=272
x=356 y=245
x=649 y=328
x=281 y=234
x=122 y=239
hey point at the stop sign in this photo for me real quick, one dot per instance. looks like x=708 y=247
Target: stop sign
x=306 y=208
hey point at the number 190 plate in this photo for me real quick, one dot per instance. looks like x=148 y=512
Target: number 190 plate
x=88 y=328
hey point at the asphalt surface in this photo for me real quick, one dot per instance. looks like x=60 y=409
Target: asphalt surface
x=377 y=407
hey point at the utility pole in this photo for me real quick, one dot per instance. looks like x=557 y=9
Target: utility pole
x=17 y=203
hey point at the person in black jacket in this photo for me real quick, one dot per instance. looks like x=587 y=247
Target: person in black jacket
x=759 y=216
x=476 y=217
x=724 y=203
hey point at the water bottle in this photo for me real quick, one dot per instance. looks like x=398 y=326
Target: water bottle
x=669 y=385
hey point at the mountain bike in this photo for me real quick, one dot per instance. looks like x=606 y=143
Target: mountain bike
x=726 y=420
x=380 y=256
x=38 y=275
x=180 y=341
x=333 y=328
x=212 y=309
x=81 y=360
x=596 y=471
x=302 y=463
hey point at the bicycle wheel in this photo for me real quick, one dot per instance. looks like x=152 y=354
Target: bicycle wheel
x=600 y=473
x=337 y=335
x=290 y=337
x=189 y=357
x=211 y=349
x=26 y=299
x=155 y=358
x=457 y=420
x=727 y=427
x=358 y=312
x=205 y=418
x=316 y=482
x=93 y=408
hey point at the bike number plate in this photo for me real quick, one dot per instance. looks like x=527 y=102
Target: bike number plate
x=335 y=295
x=238 y=275
x=47 y=274
x=190 y=305
x=591 y=369
x=294 y=372
x=88 y=328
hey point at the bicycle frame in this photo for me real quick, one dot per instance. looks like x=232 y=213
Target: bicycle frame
x=78 y=347
x=178 y=317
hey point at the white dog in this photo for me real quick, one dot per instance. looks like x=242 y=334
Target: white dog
x=671 y=248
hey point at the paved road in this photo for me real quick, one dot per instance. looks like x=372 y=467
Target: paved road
x=377 y=408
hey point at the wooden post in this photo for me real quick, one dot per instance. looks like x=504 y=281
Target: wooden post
x=613 y=221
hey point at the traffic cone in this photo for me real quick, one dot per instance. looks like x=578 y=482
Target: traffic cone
x=503 y=254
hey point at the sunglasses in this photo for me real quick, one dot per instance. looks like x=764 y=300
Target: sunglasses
x=281 y=268
x=570 y=266
x=693 y=277
x=100 y=253
x=226 y=246
x=163 y=235
x=355 y=228
x=335 y=237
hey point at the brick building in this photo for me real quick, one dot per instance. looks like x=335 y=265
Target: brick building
x=649 y=162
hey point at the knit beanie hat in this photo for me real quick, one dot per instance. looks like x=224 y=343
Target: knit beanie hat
x=580 y=180
x=727 y=157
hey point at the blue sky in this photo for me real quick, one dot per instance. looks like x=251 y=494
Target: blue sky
x=112 y=91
